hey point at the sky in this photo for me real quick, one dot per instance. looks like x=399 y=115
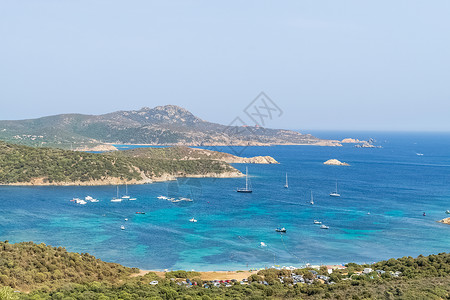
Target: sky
x=341 y=65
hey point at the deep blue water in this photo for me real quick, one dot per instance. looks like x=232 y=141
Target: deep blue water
x=393 y=183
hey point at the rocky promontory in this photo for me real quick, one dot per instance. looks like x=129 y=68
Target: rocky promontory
x=250 y=160
x=335 y=162
x=186 y=153
x=445 y=221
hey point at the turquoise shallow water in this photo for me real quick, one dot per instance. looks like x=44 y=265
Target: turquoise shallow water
x=393 y=183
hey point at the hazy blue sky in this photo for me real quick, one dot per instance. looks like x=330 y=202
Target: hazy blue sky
x=382 y=65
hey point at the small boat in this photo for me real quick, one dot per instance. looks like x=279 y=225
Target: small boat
x=122 y=227
x=247 y=189
x=317 y=222
x=78 y=201
x=89 y=198
x=280 y=229
x=186 y=199
x=193 y=220
x=262 y=244
x=181 y=200
x=117 y=199
x=335 y=193
x=419 y=154
x=132 y=199
x=312 y=199
x=424 y=214
x=286 y=185
x=447 y=211
x=126 y=219
x=162 y=197
x=324 y=227
x=140 y=213
x=368 y=213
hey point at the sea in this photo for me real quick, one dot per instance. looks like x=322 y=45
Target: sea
x=391 y=198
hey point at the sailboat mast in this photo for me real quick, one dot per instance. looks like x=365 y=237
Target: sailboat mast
x=246 y=178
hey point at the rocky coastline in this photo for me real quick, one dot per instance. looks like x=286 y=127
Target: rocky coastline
x=118 y=181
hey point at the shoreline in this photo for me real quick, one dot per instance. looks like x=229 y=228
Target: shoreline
x=326 y=143
x=117 y=181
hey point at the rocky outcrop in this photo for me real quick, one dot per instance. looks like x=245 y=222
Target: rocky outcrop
x=445 y=221
x=351 y=141
x=335 y=162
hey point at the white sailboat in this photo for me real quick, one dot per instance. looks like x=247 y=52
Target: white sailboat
x=247 y=188
x=116 y=199
x=312 y=199
x=126 y=192
x=335 y=193
x=286 y=185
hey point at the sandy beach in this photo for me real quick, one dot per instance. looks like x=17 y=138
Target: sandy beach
x=210 y=275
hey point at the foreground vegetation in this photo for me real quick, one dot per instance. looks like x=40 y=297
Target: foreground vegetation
x=53 y=273
x=23 y=164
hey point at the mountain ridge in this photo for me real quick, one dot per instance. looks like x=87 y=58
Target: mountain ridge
x=162 y=125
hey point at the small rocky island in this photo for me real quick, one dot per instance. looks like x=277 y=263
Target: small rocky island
x=335 y=162
x=445 y=221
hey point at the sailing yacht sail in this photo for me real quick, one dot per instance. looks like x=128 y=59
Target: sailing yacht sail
x=286 y=185
x=247 y=189
x=335 y=193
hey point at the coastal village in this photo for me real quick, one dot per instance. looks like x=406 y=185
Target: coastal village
x=290 y=276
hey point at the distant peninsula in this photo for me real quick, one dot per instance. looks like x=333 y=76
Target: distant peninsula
x=23 y=165
x=167 y=125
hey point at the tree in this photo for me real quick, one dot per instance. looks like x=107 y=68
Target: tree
x=7 y=293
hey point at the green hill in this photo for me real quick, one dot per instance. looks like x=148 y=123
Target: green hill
x=28 y=266
x=25 y=165
x=53 y=273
